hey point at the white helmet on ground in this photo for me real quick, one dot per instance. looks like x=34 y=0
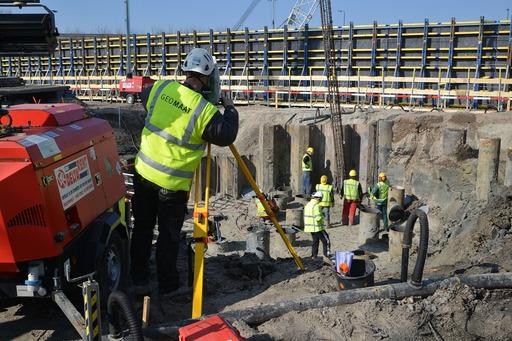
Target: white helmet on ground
x=200 y=61
x=318 y=195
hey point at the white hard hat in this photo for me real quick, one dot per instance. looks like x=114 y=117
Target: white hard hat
x=200 y=61
x=318 y=195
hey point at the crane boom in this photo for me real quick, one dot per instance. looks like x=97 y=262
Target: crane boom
x=301 y=13
x=246 y=14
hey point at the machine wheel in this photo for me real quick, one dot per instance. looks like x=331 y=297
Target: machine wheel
x=130 y=98
x=113 y=269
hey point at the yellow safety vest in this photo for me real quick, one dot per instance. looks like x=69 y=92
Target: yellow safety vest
x=307 y=166
x=383 y=193
x=326 y=191
x=171 y=145
x=313 y=217
x=261 y=210
x=351 y=189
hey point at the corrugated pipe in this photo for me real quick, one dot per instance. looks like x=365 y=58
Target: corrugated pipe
x=422 y=250
x=118 y=303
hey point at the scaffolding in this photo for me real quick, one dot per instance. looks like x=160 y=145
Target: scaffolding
x=414 y=64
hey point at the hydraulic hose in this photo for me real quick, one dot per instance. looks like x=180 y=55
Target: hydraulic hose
x=422 y=251
x=118 y=303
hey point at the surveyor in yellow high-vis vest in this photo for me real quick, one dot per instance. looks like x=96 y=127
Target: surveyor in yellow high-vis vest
x=352 y=194
x=307 y=169
x=179 y=123
x=314 y=223
x=327 y=199
x=379 y=195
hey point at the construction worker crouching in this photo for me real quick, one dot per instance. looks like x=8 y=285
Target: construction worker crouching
x=379 y=195
x=352 y=193
x=307 y=169
x=262 y=214
x=179 y=124
x=327 y=199
x=315 y=224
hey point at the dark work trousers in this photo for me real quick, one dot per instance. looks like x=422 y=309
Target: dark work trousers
x=152 y=202
x=326 y=243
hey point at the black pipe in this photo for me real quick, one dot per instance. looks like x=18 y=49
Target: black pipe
x=396 y=211
x=119 y=302
x=422 y=251
x=256 y=315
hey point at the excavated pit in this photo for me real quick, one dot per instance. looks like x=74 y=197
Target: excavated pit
x=434 y=156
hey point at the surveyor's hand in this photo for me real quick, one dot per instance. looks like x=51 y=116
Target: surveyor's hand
x=225 y=101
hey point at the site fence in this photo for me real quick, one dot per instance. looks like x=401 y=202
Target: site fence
x=449 y=64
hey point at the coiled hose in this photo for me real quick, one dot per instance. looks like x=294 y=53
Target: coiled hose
x=118 y=303
x=422 y=251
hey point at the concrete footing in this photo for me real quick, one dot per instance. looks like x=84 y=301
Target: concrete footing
x=273 y=157
x=295 y=217
x=384 y=142
x=369 y=225
x=508 y=168
x=487 y=169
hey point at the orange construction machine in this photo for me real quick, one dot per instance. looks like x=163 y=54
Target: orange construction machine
x=61 y=200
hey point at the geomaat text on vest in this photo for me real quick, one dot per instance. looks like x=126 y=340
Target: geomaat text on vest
x=175 y=103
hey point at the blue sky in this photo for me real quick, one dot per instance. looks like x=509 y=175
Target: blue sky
x=170 y=15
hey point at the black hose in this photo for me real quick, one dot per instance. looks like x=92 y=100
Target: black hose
x=119 y=302
x=422 y=251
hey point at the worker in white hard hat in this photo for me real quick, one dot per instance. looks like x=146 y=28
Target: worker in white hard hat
x=307 y=169
x=314 y=223
x=352 y=193
x=379 y=195
x=182 y=118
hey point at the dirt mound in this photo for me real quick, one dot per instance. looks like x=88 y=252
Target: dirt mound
x=487 y=243
x=455 y=312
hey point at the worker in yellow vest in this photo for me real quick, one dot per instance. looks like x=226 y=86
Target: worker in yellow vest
x=352 y=193
x=307 y=169
x=314 y=223
x=179 y=123
x=327 y=199
x=262 y=214
x=379 y=195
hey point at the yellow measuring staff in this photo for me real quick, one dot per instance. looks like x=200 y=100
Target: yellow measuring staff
x=264 y=202
x=200 y=236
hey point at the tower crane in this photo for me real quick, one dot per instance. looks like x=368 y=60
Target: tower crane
x=246 y=14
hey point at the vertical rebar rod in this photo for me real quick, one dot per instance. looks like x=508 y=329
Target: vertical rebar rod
x=128 y=44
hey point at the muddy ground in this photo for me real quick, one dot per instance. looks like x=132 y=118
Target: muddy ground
x=467 y=237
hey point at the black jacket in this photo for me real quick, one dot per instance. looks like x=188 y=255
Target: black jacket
x=221 y=130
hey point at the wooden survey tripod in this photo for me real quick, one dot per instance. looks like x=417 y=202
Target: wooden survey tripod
x=200 y=234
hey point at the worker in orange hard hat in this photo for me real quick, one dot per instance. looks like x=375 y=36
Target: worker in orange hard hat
x=352 y=193
x=307 y=169
x=327 y=199
x=379 y=195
